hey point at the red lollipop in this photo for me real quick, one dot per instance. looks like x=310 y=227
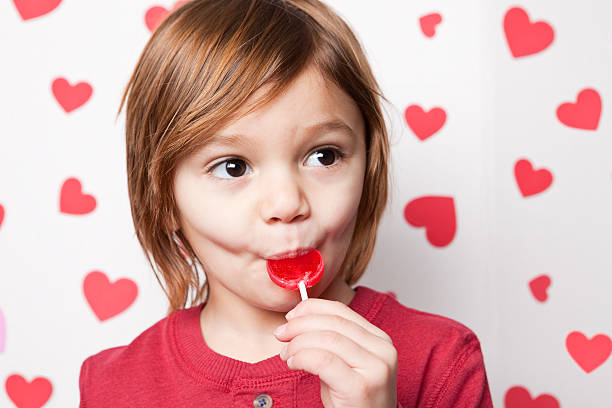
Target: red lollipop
x=289 y=273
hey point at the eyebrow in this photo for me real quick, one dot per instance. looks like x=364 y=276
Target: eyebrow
x=318 y=128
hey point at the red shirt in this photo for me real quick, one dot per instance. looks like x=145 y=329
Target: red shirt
x=440 y=364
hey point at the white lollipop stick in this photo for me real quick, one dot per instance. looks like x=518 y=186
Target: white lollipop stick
x=302 y=287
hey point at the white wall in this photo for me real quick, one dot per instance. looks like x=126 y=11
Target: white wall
x=499 y=109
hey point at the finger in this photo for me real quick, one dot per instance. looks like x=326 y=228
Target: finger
x=348 y=328
x=324 y=306
x=352 y=354
x=332 y=370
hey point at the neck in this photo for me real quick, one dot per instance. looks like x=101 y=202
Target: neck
x=227 y=329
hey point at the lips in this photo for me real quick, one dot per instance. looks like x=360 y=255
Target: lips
x=290 y=254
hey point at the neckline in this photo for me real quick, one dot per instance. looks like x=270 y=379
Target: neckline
x=203 y=363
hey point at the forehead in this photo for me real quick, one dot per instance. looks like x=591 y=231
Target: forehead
x=326 y=126
x=310 y=106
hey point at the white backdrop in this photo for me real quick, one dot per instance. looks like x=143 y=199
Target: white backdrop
x=500 y=214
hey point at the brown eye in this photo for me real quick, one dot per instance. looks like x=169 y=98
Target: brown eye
x=234 y=167
x=326 y=156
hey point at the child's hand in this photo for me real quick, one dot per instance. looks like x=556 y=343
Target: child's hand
x=355 y=360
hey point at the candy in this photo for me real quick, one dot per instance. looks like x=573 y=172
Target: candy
x=290 y=272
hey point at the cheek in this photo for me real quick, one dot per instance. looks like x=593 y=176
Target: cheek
x=213 y=219
x=340 y=210
x=338 y=218
x=213 y=222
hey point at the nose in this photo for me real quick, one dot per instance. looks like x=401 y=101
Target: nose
x=284 y=198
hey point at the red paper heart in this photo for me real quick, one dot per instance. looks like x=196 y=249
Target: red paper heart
x=29 y=9
x=519 y=397
x=584 y=114
x=523 y=37
x=539 y=286
x=25 y=394
x=1 y=214
x=72 y=201
x=589 y=354
x=429 y=22
x=70 y=97
x=424 y=124
x=436 y=214
x=155 y=15
x=531 y=182
x=108 y=299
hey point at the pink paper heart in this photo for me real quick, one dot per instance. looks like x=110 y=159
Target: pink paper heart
x=29 y=9
x=529 y=180
x=437 y=214
x=588 y=353
x=72 y=199
x=424 y=124
x=70 y=96
x=584 y=114
x=429 y=22
x=106 y=298
x=539 y=286
x=28 y=394
x=524 y=37
x=519 y=397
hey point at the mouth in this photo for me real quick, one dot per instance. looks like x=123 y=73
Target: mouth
x=290 y=254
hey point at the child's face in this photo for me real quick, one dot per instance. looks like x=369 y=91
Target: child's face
x=283 y=188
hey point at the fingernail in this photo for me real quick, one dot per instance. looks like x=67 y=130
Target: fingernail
x=280 y=329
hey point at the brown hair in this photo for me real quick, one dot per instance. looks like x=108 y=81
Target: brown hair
x=195 y=73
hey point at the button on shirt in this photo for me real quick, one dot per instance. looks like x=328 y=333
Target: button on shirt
x=262 y=401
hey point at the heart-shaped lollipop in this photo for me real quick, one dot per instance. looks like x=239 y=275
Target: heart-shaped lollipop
x=288 y=273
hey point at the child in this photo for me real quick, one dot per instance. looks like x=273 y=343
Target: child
x=253 y=127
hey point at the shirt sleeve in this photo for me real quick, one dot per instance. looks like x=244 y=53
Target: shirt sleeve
x=82 y=382
x=464 y=384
